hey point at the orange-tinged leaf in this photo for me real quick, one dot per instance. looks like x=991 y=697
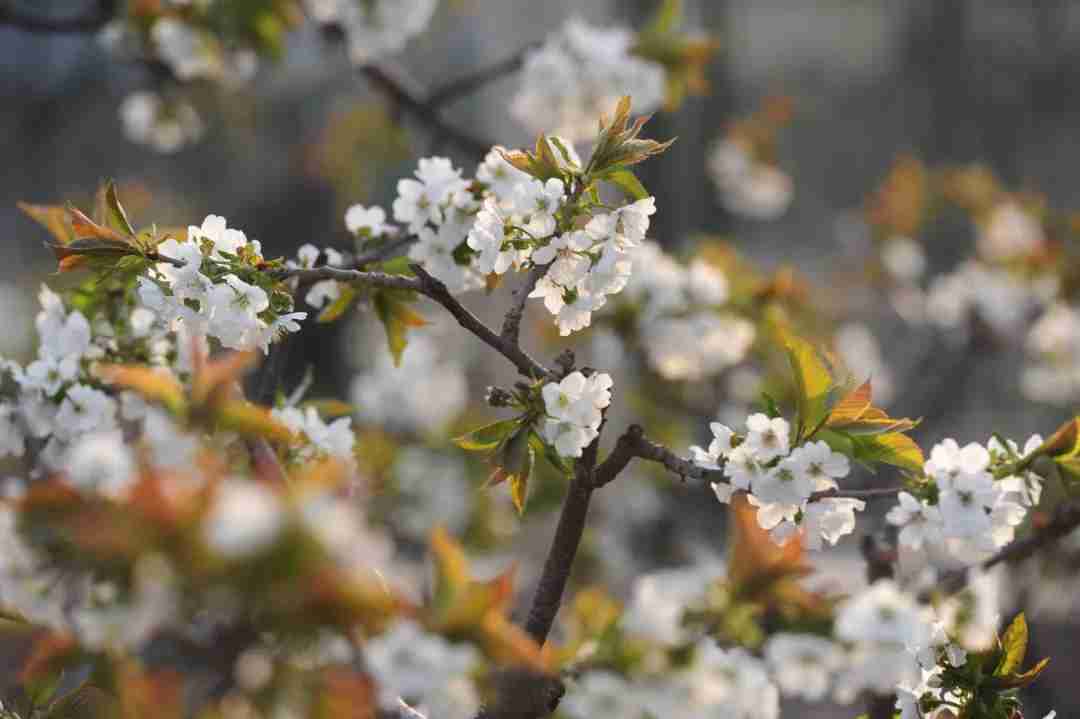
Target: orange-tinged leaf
x=753 y=553
x=852 y=406
x=53 y=218
x=519 y=491
x=508 y=643
x=48 y=654
x=1064 y=442
x=152 y=383
x=220 y=373
x=345 y=694
x=451 y=566
x=252 y=420
x=144 y=694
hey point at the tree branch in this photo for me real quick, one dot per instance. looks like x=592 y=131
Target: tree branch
x=468 y=84
x=434 y=289
x=426 y=112
x=564 y=546
x=511 y=329
x=12 y=16
x=634 y=444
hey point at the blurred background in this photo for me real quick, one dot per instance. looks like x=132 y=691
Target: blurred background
x=952 y=82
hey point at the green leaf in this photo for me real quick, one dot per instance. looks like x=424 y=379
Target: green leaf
x=894 y=449
x=628 y=182
x=393 y=310
x=666 y=19
x=117 y=217
x=553 y=457
x=489 y=436
x=812 y=384
x=339 y=306
x=1014 y=646
x=1019 y=681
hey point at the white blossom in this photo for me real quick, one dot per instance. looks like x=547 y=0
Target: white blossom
x=767 y=438
x=538 y=202
x=370 y=220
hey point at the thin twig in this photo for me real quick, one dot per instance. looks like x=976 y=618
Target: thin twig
x=437 y=291
x=12 y=16
x=634 y=444
x=387 y=251
x=430 y=287
x=468 y=84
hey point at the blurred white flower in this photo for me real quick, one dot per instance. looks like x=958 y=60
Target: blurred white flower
x=245 y=518
x=578 y=75
x=165 y=126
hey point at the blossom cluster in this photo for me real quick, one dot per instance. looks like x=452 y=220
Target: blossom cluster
x=780 y=479
x=375 y=28
x=578 y=74
x=200 y=293
x=970 y=511
x=748 y=187
x=685 y=328
x=468 y=232
x=729 y=680
x=574 y=408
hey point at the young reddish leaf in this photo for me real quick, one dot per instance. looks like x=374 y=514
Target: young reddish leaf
x=54 y=218
x=1065 y=442
x=851 y=406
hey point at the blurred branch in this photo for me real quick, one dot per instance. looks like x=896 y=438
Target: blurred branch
x=391 y=249
x=457 y=89
x=1066 y=518
x=396 y=87
x=12 y=16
